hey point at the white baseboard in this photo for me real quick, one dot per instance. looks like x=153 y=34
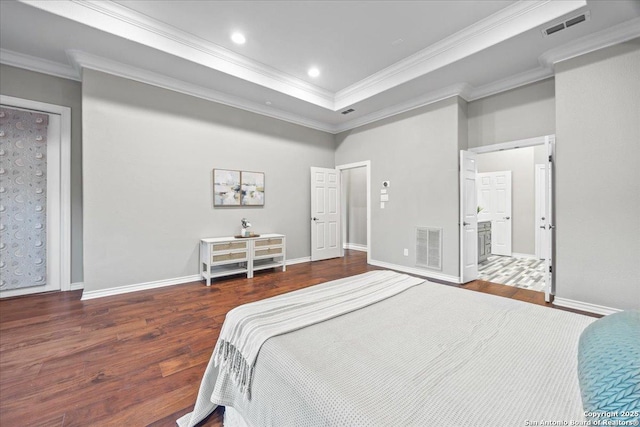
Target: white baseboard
x=298 y=260
x=86 y=295
x=417 y=271
x=356 y=247
x=585 y=306
x=526 y=256
x=76 y=286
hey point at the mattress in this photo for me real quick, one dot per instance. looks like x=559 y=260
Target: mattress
x=431 y=355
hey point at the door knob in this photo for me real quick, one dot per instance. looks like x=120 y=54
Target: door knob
x=507 y=217
x=315 y=219
x=466 y=223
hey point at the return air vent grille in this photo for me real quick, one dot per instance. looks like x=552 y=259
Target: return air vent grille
x=350 y=110
x=429 y=247
x=566 y=24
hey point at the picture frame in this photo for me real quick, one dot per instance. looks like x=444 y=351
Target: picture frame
x=226 y=187
x=252 y=188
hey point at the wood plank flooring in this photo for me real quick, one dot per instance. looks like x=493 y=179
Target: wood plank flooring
x=137 y=359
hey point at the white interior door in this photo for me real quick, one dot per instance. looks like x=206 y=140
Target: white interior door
x=549 y=227
x=494 y=201
x=325 y=214
x=468 y=217
x=501 y=224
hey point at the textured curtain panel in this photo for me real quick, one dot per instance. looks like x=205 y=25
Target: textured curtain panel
x=23 y=198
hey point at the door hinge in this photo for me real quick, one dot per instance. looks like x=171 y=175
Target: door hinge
x=550 y=269
x=550 y=158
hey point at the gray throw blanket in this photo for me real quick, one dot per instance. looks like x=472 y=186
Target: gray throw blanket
x=248 y=326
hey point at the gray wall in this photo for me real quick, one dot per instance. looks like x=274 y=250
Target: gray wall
x=418 y=152
x=598 y=178
x=520 y=113
x=148 y=160
x=354 y=183
x=34 y=86
x=521 y=162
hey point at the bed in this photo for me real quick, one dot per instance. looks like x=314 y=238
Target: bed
x=429 y=354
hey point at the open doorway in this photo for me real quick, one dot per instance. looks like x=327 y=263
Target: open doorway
x=355 y=201
x=507 y=217
x=485 y=235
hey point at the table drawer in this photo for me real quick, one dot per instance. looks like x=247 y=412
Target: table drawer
x=268 y=251
x=269 y=242
x=231 y=256
x=228 y=246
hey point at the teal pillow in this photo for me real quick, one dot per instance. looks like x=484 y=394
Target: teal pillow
x=609 y=368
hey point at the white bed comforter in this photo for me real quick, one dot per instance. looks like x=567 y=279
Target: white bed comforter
x=431 y=355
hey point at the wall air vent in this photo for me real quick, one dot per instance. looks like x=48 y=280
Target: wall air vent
x=429 y=247
x=586 y=16
x=350 y=110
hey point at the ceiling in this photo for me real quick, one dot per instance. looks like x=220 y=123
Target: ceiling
x=378 y=58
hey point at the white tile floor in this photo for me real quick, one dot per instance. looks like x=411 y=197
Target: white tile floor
x=523 y=273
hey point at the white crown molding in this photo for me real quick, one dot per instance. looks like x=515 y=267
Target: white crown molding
x=617 y=34
x=420 y=101
x=123 y=22
x=505 y=24
x=608 y=37
x=93 y=62
x=39 y=65
x=585 y=306
x=511 y=82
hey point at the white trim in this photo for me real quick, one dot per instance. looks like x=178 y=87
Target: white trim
x=86 y=295
x=523 y=256
x=367 y=165
x=355 y=247
x=584 y=306
x=121 y=21
x=511 y=82
x=39 y=65
x=505 y=24
x=608 y=37
x=60 y=269
x=298 y=260
x=84 y=60
x=529 y=142
x=417 y=271
x=114 y=18
x=393 y=110
x=76 y=286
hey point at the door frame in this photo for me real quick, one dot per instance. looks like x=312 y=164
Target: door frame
x=59 y=216
x=366 y=164
x=540 y=200
x=530 y=142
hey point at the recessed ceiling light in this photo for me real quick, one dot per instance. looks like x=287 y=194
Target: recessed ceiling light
x=238 y=38
x=313 y=72
x=268 y=102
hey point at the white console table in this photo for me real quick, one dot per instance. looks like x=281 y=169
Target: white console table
x=225 y=256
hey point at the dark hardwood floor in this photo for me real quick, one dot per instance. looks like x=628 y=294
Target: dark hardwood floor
x=137 y=359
